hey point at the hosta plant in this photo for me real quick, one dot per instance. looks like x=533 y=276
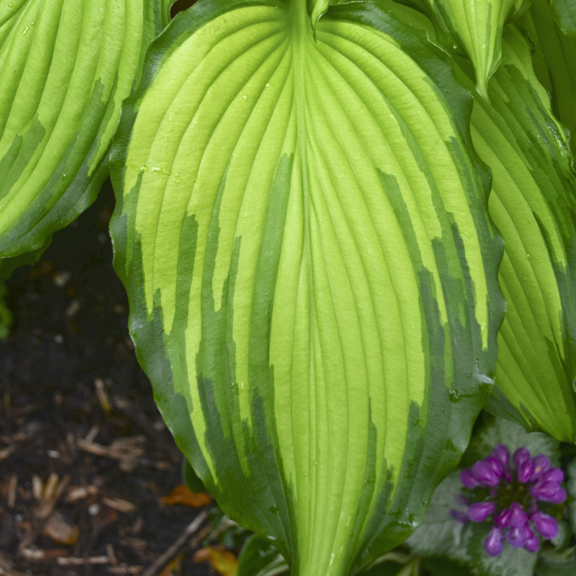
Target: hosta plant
x=338 y=226
x=65 y=68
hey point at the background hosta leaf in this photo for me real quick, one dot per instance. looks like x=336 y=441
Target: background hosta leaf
x=533 y=203
x=260 y=558
x=65 y=67
x=312 y=278
x=191 y=479
x=9 y=12
x=565 y=13
x=554 y=62
x=571 y=488
x=474 y=26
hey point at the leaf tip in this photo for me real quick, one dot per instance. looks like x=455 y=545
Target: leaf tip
x=320 y=7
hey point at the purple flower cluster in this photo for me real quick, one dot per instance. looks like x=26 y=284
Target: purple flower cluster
x=510 y=496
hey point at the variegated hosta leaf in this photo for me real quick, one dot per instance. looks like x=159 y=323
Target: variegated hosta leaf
x=533 y=204
x=259 y=558
x=476 y=27
x=312 y=279
x=554 y=62
x=65 y=68
x=565 y=13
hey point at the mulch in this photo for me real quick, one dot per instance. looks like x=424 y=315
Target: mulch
x=85 y=457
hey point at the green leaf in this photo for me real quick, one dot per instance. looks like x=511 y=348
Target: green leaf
x=554 y=62
x=190 y=478
x=511 y=562
x=571 y=489
x=65 y=68
x=551 y=563
x=440 y=534
x=443 y=567
x=533 y=204
x=500 y=431
x=411 y=567
x=564 y=537
x=565 y=14
x=320 y=7
x=303 y=236
x=474 y=27
x=260 y=558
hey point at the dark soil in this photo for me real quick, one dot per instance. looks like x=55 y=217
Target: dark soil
x=68 y=372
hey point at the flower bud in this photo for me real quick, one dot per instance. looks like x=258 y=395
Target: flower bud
x=483 y=472
x=558 y=497
x=525 y=471
x=555 y=475
x=516 y=536
x=503 y=519
x=460 y=516
x=546 y=491
x=541 y=464
x=467 y=478
x=501 y=454
x=493 y=542
x=546 y=525
x=518 y=517
x=495 y=465
x=532 y=544
x=520 y=456
x=479 y=511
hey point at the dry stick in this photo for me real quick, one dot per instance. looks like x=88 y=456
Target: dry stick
x=43 y=513
x=177 y=547
x=138 y=417
x=7 y=452
x=116 y=454
x=73 y=561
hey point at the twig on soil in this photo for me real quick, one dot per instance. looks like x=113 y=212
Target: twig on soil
x=36 y=555
x=102 y=394
x=177 y=547
x=11 y=491
x=73 y=561
x=119 y=505
x=126 y=452
x=123 y=569
x=6 y=452
x=108 y=452
x=138 y=417
x=110 y=558
x=52 y=485
x=37 y=487
x=76 y=493
x=94 y=431
x=20 y=437
x=52 y=494
x=7 y=567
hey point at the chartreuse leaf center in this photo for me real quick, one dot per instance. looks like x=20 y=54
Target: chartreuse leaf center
x=65 y=68
x=475 y=27
x=302 y=232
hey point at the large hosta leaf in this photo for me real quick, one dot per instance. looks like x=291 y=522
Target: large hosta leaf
x=554 y=62
x=474 y=26
x=565 y=13
x=65 y=68
x=533 y=204
x=312 y=278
